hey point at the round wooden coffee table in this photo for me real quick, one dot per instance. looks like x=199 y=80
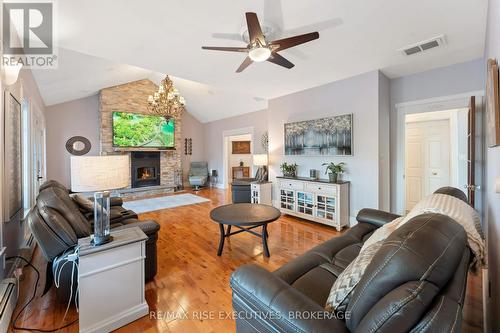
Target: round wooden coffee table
x=244 y=216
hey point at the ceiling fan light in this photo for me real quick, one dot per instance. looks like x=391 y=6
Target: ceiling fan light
x=259 y=54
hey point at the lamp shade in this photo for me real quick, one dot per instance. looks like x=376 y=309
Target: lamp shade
x=260 y=159
x=99 y=173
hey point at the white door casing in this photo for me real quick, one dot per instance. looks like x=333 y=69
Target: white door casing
x=427 y=159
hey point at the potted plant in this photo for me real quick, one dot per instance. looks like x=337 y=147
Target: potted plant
x=333 y=170
x=289 y=170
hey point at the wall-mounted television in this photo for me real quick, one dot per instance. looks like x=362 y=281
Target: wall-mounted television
x=133 y=130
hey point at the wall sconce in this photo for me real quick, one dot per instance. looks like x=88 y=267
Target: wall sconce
x=497 y=185
x=11 y=73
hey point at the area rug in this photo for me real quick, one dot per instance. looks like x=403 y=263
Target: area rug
x=149 y=205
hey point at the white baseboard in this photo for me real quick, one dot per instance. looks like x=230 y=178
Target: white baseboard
x=119 y=320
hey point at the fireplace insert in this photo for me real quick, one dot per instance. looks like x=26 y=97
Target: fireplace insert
x=145 y=169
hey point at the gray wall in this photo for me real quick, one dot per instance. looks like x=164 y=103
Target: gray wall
x=445 y=81
x=79 y=117
x=384 y=107
x=191 y=128
x=492 y=173
x=358 y=95
x=214 y=141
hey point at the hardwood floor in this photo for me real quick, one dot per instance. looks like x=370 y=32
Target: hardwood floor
x=192 y=280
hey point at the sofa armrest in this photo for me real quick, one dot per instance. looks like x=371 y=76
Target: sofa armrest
x=376 y=217
x=267 y=301
x=150 y=227
x=113 y=201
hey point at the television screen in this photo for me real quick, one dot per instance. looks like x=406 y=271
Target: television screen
x=138 y=130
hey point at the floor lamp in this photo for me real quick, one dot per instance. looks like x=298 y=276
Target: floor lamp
x=100 y=174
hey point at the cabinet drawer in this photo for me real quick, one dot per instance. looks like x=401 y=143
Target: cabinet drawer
x=321 y=188
x=254 y=186
x=291 y=185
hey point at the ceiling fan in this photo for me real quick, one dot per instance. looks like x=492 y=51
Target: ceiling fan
x=259 y=50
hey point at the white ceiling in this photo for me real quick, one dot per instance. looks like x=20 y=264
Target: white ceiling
x=80 y=75
x=165 y=36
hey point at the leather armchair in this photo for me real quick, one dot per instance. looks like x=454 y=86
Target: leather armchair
x=240 y=190
x=416 y=281
x=198 y=174
x=57 y=223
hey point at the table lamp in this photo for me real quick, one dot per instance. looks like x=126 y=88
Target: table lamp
x=260 y=160
x=99 y=174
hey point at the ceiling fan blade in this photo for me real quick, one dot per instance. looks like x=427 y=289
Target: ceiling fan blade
x=221 y=48
x=254 y=29
x=289 y=42
x=277 y=59
x=247 y=62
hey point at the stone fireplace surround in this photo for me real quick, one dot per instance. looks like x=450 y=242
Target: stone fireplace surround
x=132 y=97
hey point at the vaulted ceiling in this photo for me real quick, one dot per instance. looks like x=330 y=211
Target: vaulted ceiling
x=105 y=42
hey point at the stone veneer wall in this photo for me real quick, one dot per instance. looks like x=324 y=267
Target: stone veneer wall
x=132 y=97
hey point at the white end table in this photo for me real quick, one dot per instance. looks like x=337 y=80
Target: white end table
x=111 y=281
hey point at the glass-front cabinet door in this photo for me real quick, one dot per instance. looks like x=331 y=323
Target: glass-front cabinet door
x=325 y=207
x=255 y=196
x=287 y=199
x=305 y=203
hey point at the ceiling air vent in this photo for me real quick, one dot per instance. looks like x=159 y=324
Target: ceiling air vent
x=423 y=45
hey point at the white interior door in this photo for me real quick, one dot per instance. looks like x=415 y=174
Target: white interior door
x=427 y=160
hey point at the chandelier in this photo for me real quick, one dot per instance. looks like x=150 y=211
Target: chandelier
x=166 y=102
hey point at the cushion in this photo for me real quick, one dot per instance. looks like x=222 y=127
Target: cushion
x=349 y=278
x=58 y=199
x=85 y=204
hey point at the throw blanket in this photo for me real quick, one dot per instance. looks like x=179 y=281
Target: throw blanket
x=459 y=211
x=443 y=204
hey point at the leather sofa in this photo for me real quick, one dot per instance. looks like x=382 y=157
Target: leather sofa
x=57 y=223
x=240 y=190
x=416 y=282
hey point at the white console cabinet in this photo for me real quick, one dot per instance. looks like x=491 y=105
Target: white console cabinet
x=318 y=201
x=261 y=193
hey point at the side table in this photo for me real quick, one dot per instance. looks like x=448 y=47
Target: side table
x=111 y=281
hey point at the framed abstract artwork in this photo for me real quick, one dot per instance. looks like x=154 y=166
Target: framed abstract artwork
x=320 y=137
x=492 y=104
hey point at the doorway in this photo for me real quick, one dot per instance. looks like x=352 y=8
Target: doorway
x=231 y=160
x=239 y=157
x=435 y=153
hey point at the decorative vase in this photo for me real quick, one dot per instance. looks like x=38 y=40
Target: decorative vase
x=241 y=163
x=333 y=177
x=290 y=174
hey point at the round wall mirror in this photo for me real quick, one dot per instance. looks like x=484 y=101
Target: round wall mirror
x=78 y=145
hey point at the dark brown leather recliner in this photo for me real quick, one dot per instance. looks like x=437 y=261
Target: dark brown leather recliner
x=415 y=283
x=57 y=223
